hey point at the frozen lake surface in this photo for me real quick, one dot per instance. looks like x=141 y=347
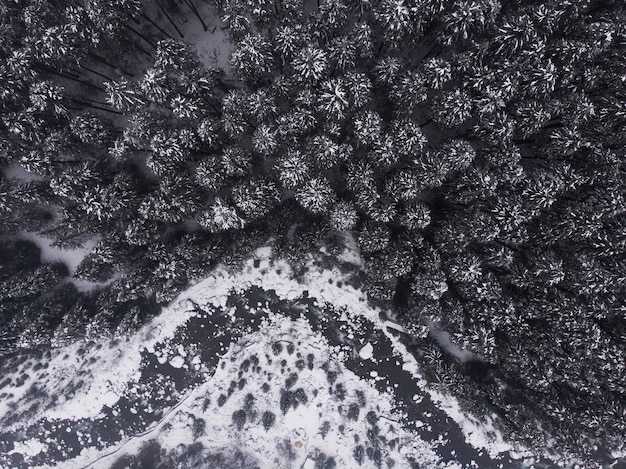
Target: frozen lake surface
x=254 y=367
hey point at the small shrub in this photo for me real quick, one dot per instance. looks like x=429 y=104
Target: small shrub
x=291 y=380
x=198 y=429
x=268 y=419
x=249 y=401
x=239 y=418
x=301 y=396
x=324 y=429
x=286 y=400
x=340 y=391
x=353 y=412
x=358 y=454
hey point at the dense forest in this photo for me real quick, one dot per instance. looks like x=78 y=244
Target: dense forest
x=474 y=149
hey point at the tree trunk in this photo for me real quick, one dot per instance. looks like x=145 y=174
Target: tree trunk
x=86 y=83
x=102 y=60
x=508 y=246
x=135 y=20
x=553 y=126
x=85 y=103
x=592 y=10
x=433 y=51
x=165 y=33
x=91 y=101
x=106 y=77
x=73 y=72
x=217 y=111
x=140 y=49
x=78 y=80
x=170 y=20
x=542 y=158
x=148 y=41
x=195 y=12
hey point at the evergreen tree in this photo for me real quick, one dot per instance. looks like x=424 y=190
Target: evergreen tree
x=331 y=17
x=293 y=169
x=310 y=64
x=408 y=92
x=220 y=216
x=315 y=195
x=367 y=128
x=325 y=153
x=343 y=216
x=264 y=140
x=290 y=39
x=252 y=59
x=333 y=99
x=452 y=108
x=466 y=18
x=122 y=95
x=255 y=198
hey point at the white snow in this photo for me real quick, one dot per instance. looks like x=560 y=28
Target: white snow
x=70 y=257
x=87 y=285
x=367 y=352
x=50 y=253
x=16 y=171
x=30 y=447
x=117 y=365
x=445 y=342
x=480 y=433
x=177 y=361
x=351 y=254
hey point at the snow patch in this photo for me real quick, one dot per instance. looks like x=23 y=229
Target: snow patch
x=480 y=433
x=351 y=254
x=212 y=46
x=30 y=447
x=49 y=253
x=367 y=352
x=445 y=342
x=177 y=361
x=70 y=257
x=16 y=171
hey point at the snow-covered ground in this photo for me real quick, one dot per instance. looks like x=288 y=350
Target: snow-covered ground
x=16 y=171
x=294 y=374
